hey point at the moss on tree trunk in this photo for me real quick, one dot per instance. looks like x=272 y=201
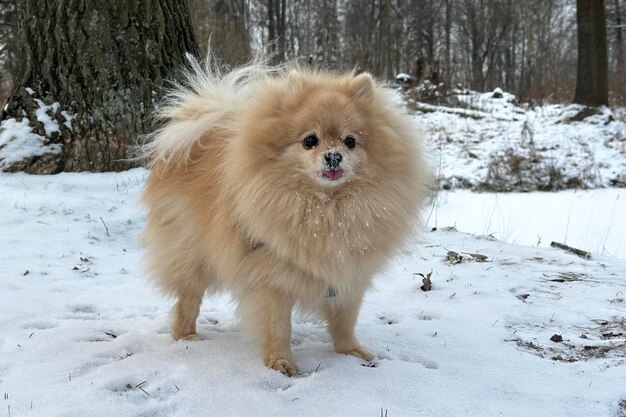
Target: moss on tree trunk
x=104 y=63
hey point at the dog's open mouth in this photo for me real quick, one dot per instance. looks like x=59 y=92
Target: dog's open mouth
x=332 y=174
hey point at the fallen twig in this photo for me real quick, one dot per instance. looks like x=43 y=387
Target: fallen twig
x=567 y=248
x=478 y=257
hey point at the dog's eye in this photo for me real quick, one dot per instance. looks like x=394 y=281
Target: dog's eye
x=310 y=142
x=349 y=142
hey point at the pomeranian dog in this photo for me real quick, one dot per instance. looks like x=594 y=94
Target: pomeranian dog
x=287 y=187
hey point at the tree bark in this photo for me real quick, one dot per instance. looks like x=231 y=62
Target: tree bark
x=103 y=62
x=619 y=42
x=592 y=75
x=276 y=10
x=447 y=62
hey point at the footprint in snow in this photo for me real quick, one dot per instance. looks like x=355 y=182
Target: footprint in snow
x=138 y=390
x=426 y=316
x=101 y=336
x=409 y=358
x=40 y=325
x=83 y=312
x=275 y=381
x=426 y=362
x=4 y=368
x=88 y=367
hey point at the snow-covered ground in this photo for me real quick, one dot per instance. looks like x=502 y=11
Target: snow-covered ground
x=493 y=144
x=591 y=220
x=83 y=334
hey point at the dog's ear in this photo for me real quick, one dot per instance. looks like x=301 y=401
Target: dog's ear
x=362 y=86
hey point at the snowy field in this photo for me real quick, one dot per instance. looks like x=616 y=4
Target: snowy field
x=496 y=145
x=82 y=334
x=511 y=326
x=591 y=220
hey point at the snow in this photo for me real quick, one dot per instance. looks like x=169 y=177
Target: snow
x=485 y=102
x=404 y=77
x=471 y=145
x=84 y=334
x=590 y=220
x=18 y=142
x=50 y=125
x=68 y=119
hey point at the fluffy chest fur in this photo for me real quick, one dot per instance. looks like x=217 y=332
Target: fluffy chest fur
x=333 y=237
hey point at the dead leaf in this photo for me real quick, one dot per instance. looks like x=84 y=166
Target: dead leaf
x=453 y=257
x=427 y=283
x=556 y=338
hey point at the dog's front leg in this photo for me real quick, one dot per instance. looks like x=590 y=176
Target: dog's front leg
x=342 y=316
x=267 y=312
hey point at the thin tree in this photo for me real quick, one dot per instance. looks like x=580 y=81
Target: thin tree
x=276 y=25
x=90 y=75
x=592 y=76
x=619 y=40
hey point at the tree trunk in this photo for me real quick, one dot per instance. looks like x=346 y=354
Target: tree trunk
x=592 y=76
x=619 y=42
x=447 y=62
x=91 y=74
x=276 y=10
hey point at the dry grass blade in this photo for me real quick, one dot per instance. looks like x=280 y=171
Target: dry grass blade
x=140 y=386
x=105 y=227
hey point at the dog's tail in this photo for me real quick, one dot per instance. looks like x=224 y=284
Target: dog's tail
x=205 y=101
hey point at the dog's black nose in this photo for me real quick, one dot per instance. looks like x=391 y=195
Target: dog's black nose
x=333 y=159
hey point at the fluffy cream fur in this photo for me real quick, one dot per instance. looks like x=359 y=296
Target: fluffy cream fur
x=237 y=202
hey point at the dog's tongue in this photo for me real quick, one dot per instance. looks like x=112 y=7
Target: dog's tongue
x=333 y=174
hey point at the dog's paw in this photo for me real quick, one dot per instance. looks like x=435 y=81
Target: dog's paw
x=283 y=365
x=193 y=337
x=360 y=352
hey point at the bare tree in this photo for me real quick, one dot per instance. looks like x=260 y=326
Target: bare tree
x=225 y=23
x=483 y=25
x=327 y=51
x=276 y=26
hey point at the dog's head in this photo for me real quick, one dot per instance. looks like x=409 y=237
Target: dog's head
x=330 y=126
x=316 y=127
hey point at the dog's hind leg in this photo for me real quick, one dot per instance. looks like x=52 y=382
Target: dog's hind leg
x=189 y=295
x=186 y=313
